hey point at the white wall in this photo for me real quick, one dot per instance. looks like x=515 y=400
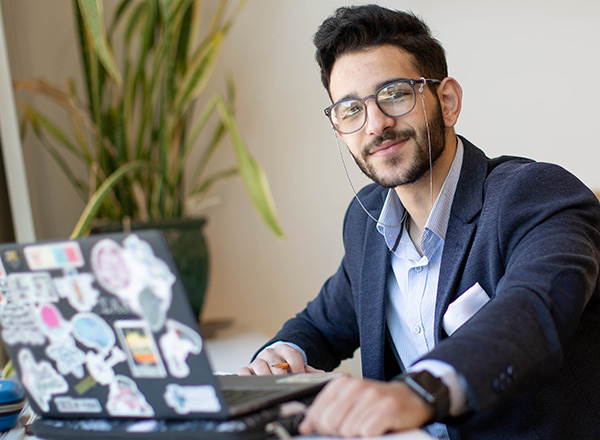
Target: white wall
x=528 y=71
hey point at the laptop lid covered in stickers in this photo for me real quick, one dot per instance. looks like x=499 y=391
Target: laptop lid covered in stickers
x=101 y=327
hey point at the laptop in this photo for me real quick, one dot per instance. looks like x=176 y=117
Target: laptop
x=101 y=328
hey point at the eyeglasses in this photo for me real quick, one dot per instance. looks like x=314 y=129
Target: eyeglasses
x=393 y=99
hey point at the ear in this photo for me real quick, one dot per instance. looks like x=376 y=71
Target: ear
x=450 y=96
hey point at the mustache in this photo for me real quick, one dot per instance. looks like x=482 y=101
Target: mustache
x=390 y=135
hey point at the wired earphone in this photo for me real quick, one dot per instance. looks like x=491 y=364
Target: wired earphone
x=421 y=88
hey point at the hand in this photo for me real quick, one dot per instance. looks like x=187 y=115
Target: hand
x=266 y=362
x=352 y=407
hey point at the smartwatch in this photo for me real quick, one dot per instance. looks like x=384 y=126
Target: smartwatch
x=431 y=389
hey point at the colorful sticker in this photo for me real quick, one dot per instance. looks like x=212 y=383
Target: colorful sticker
x=192 y=399
x=20 y=326
x=177 y=344
x=53 y=256
x=40 y=379
x=102 y=368
x=78 y=290
x=83 y=405
x=133 y=274
x=92 y=331
x=52 y=324
x=138 y=342
x=12 y=259
x=125 y=399
x=31 y=288
x=69 y=359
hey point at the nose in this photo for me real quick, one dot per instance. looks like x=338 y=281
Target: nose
x=377 y=121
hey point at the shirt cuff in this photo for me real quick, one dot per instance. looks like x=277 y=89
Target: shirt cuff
x=291 y=344
x=447 y=374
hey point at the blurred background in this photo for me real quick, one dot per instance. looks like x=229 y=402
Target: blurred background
x=529 y=76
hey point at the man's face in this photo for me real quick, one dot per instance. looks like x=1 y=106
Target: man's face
x=390 y=151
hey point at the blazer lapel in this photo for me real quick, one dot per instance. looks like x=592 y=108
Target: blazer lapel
x=373 y=300
x=462 y=226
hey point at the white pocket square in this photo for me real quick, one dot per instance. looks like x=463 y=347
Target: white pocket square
x=464 y=307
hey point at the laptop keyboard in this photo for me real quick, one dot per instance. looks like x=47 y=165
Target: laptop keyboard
x=241 y=396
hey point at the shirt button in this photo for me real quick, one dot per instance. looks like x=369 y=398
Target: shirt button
x=417 y=329
x=419 y=268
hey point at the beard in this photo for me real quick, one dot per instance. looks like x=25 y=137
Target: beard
x=420 y=162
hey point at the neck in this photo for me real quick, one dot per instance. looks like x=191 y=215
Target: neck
x=418 y=197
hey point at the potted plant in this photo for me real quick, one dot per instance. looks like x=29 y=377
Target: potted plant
x=138 y=124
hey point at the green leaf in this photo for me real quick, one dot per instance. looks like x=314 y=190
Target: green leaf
x=252 y=174
x=91 y=11
x=98 y=197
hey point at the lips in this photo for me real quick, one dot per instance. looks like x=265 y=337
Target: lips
x=388 y=147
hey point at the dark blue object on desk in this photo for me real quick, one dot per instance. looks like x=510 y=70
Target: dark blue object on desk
x=12 y=401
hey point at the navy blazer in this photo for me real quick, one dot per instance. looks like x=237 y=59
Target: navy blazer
x=528 y=233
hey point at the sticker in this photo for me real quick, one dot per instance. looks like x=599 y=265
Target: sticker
x=20 y=326
x=82 y=405
x=143 y=356
x=177 y=344
x=52 y=324
x=41 y=380
x=53 y=256
x=101 y=369
x=190 y=399
x=78 y=290
x=133 y=274
x=12 y=259
x=125 y=399
x=31 y=288
x=92 y=331
x=69 y=359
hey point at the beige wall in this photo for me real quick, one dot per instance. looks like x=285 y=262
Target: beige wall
x=529 y=75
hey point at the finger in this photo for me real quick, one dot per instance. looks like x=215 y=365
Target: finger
x=245 y=371
x=292 y=357
x=309 y=369
x=260 y=367
x=329 y=408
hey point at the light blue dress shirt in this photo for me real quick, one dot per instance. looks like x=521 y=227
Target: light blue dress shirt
x=413 y=281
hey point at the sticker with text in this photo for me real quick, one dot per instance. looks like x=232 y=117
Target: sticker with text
x=83 y=405
x=69 y=359
x=192 y=398
x=31 y=288
x=125 y=399
x=138 y=342
x=20 y=326
x=176 y=344
x=53 y=256
x=135 y=275
x=40 y=379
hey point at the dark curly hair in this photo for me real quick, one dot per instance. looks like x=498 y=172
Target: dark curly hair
x=355 y=28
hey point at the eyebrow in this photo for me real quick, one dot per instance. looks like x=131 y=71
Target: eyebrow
x=377 y=87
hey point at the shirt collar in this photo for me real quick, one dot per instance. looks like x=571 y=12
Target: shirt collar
x=392 y=213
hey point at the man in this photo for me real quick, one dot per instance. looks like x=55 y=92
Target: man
x=474 y=294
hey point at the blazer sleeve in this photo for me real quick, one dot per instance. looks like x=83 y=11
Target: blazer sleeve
x=540 y=225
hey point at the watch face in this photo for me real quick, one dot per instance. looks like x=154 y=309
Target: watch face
x=431 y=389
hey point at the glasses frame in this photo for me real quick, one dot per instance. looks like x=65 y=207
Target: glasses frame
x=411 y=82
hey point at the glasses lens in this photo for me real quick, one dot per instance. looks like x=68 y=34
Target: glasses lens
x=348 y=116
x=396 y=99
